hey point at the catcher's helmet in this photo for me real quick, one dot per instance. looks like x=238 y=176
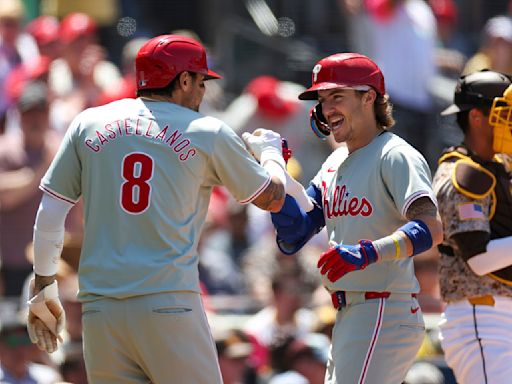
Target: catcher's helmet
x=163 y=57
x=344 y=70
x=501 y=118
x=477 y=89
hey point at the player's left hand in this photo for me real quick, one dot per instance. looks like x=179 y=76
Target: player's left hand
x=342 y=259
x=46 y=318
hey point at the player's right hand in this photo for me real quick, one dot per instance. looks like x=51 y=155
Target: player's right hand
x=265 y=144
x=342 y=259
x=46 y=318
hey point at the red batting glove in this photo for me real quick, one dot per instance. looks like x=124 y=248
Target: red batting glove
x=342 y=259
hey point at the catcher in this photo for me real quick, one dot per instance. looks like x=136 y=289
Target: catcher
x=473 y=185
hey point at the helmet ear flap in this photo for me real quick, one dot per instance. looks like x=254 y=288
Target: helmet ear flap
x=318 y=122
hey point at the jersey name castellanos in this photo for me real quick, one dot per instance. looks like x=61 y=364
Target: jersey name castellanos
x=365 y=195
x=145 y=170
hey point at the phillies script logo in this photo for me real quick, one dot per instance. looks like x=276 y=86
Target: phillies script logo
x=341 y=205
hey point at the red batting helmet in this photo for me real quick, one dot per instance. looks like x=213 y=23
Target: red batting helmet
x=163 y=57
x=344 y=70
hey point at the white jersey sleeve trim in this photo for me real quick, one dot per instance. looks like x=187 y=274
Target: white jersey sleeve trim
x=57 y=195
x=258 y=192
x=415 y=196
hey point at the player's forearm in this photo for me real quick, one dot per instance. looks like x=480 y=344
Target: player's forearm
x=422 y=232
x=426 y=211
x=271 y=198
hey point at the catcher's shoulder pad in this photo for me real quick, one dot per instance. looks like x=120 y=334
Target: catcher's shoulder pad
x=453 y=154
x=469 y=178
x=472 y=180
x=504 y=159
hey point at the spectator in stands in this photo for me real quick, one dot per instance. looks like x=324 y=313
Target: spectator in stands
x=452 y=48
x=16 y=351
x=16 y=47
x=286 y=314
x=24 y=158
x=495 y=50
x=83 y=73
x=45 y=30
x=223 y=244
x=306 y=356
x=385 y=30
x=127 y=85
x=234 y=349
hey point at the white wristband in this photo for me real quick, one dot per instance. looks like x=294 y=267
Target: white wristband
x=271 y=153
x=275 y=169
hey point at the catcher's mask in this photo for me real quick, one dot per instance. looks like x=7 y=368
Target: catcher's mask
x=501 y=118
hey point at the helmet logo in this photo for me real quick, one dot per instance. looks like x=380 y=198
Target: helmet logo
x=316 y=70
x=162 y=41
x=142 y=81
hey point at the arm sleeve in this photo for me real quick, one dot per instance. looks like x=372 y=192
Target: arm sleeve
x=294 y=226
x=496 y=256
x=49 y=234
x=415 y=180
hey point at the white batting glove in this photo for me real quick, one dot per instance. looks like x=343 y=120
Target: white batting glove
x=265 y=145
x=46 y=318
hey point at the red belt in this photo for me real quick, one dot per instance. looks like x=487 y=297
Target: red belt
x=339 y=298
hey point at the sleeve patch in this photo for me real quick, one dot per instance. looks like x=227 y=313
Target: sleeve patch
x=473 y=180
x=471 y=211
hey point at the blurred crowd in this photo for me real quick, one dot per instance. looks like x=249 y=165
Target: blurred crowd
x=270 y=317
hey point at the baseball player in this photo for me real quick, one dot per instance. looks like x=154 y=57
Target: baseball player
x=145 y=169
x=375 y=199
x=473 y=186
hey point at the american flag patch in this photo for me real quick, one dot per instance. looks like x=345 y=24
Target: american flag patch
x=471 y=211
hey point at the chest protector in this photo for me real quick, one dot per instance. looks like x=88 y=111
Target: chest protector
x=478 y=179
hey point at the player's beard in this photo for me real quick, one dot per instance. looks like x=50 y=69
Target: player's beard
x=193 y=101
x=343 y=133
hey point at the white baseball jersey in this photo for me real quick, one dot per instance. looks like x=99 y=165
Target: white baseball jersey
x=145 y=170
x=365 y=195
